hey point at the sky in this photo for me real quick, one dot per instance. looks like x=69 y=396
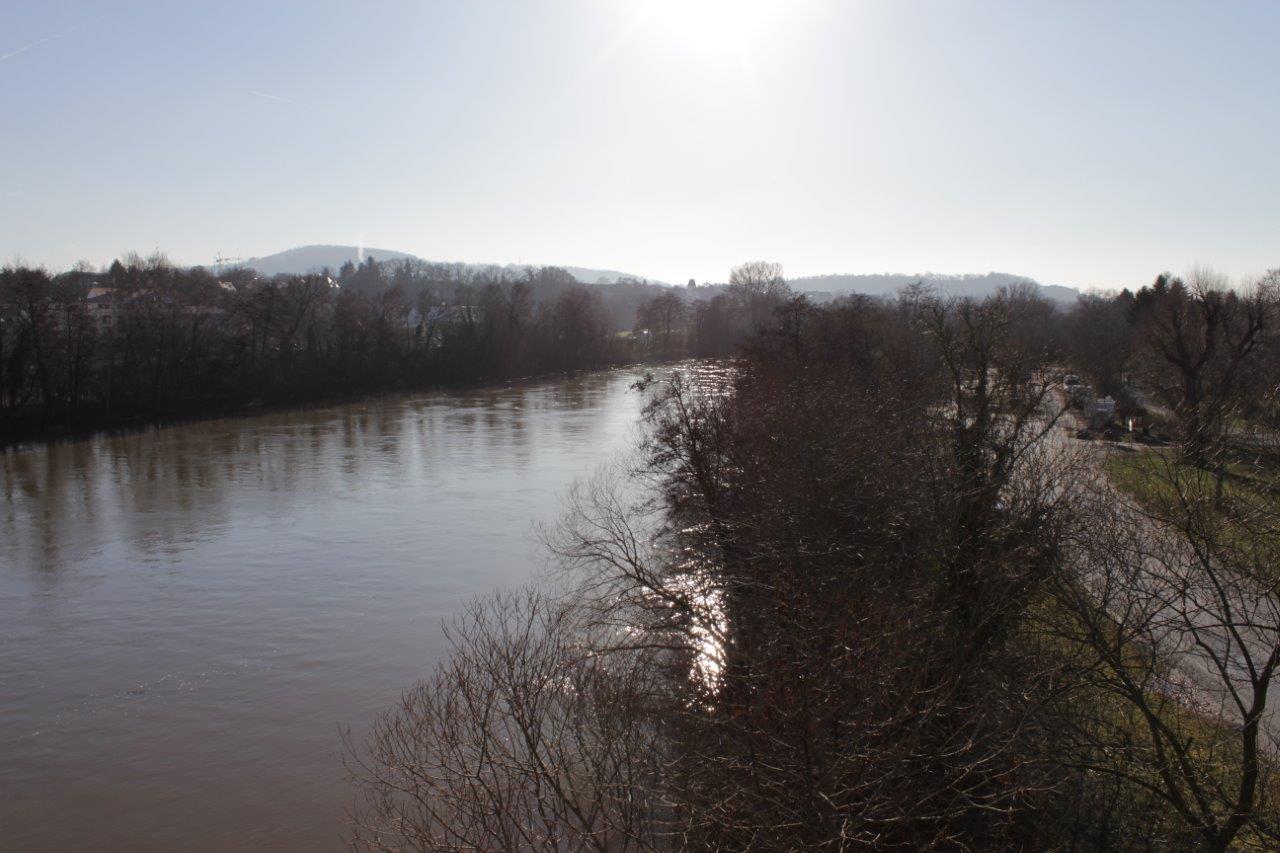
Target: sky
x=1092 y=144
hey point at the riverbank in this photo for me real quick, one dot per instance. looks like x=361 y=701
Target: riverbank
x=17 y=432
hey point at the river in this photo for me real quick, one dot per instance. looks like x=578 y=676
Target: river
x=190 y=614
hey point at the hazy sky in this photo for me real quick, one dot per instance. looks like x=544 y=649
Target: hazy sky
x=1089 y=144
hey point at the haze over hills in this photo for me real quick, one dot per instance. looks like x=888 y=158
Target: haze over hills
x=887 y=284
x=304 y=259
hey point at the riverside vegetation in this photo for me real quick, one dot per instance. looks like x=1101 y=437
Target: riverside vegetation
x=873 y=595
x=147 y=340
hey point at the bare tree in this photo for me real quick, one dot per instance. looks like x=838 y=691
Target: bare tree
x=998 y=409
x=758 y=287
x=663 y=316
x=1100 y=341
x=29 y=297
x=1196 y=347
x=1175 y=629
x=531 y=736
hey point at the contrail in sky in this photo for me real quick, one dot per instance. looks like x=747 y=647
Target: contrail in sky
x=275 y=98
x=25 y=48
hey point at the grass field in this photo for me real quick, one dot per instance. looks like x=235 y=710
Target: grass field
x=1159 y=479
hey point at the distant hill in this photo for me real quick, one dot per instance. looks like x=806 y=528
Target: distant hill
x=586 y=274
x=887 y=284
x=305 y=259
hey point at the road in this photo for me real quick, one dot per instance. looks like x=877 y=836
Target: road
x=1219 y=629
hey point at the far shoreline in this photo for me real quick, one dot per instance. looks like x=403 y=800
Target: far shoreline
x=31 y=432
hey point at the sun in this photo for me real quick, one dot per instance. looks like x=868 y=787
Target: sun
x=715 y=28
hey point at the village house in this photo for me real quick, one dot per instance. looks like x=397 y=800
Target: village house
x=101 y=305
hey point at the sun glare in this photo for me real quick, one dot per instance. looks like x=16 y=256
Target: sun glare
x=715 y=28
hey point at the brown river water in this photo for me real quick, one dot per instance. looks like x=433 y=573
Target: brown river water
x=188 y=615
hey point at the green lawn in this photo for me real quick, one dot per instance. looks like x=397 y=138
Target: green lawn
x=1160 y=480
x=1110 y=731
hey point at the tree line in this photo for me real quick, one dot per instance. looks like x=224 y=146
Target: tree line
x=873 y=594
x=1190 y=354
x=146 y=339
